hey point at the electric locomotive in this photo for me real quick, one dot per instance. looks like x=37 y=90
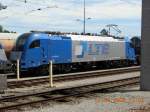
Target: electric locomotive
x=67 y=52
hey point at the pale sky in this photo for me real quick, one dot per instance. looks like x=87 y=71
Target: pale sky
x=61 y=15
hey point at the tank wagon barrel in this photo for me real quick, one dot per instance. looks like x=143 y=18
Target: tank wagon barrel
x=8 y=41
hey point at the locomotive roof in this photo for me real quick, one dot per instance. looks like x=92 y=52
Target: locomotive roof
x=85 y=37
x=93 y=38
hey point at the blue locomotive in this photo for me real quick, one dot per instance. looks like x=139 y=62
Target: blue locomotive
x=67 y=52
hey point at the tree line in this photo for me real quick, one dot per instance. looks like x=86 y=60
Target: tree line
x=2 y=30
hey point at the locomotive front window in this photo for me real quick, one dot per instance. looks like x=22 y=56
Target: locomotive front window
x=35 y=44
x=21 y=41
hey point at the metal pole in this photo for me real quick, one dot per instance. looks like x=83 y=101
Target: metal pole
x=18 y=70
x=109 y=31
x=51 y=74
x=84 y=20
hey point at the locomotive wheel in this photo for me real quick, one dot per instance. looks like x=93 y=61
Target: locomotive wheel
x=66 y=68
x=43 y=70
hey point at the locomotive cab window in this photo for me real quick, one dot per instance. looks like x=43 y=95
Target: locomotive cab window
x=35 y=44
x=21 y=41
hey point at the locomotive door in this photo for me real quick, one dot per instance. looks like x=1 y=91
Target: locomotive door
x=44 y=51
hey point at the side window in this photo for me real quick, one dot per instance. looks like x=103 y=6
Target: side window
x=35 y=44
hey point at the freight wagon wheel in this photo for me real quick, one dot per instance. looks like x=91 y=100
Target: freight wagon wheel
x=14 y=68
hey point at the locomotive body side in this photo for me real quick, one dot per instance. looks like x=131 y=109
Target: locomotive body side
x=71 y=51
x=92 y=48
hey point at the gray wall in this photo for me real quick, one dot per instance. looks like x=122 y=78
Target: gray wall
x=145 y=75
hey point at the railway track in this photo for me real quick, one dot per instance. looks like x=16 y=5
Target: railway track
x=13 y=83
x=62 y=93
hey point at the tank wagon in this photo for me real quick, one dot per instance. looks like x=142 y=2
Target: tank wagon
x=35 y=50
x=5 y=65
x=7 y=43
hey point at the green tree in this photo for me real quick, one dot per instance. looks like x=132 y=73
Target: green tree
x=6 y=31
x=104 y=32
x=1 y=28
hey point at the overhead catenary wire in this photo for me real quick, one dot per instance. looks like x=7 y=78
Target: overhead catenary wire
x=40 y=2
x=28 y=12
x=35 y=27
x=25 y=14
x=39 y=9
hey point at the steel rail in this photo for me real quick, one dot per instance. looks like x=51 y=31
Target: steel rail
x=62 y=93
x=72 y=76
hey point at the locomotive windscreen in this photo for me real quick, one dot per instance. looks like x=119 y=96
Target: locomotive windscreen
x=21 y=40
